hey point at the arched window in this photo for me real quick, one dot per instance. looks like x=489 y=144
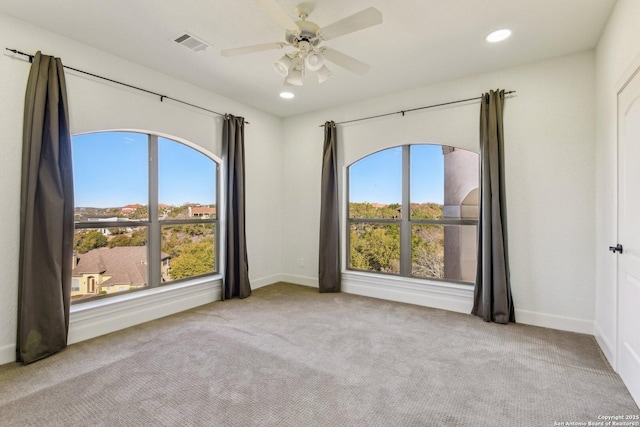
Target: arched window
x=145 y=210
x=413 y=211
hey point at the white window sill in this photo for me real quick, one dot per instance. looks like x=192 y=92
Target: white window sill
x=102 y=316
x=429 y=293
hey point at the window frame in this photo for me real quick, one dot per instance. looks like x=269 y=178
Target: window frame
x=154 y=224
x=405 y=221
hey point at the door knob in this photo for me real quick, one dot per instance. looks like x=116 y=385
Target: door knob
x=616 y=248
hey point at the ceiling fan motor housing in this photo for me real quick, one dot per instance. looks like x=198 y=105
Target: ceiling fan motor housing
x=308 y=32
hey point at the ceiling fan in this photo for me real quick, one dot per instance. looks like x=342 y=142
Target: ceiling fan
x=306 y=36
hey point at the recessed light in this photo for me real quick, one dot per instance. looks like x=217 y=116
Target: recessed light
x=287 y=95
x=498 y=36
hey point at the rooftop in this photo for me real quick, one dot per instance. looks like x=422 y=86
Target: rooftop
x=125 y=264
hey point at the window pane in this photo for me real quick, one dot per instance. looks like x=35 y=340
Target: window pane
x=187 y=250
x=427 y=182
x=375 y=247
x=187 y=182
x=444 y=182
x=108 y=261
x=113 y=183
x=444 y=252
x=110 y=175
x=375 y=185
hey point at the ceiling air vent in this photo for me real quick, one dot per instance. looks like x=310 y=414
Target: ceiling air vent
x=193 y=43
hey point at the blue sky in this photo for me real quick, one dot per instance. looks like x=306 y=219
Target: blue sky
x=378 y=177
x=110 y=170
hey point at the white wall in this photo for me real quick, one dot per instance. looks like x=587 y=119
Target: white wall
x=97 y=105
x=550 y=170
x=617 y=55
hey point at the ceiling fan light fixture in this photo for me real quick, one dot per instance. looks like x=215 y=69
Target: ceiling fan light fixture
x=295 y=77
x=283 y=65
x=323 y=74
x=314 y=61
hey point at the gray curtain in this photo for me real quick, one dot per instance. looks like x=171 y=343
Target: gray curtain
x=236 y=276
x=492 y=299
x=46 y=215
x=329 y=253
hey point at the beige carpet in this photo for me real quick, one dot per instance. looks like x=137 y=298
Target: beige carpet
x=289 y=356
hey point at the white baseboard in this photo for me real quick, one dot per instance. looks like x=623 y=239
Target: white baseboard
x=288 y=278
x=7 y=354
x=299 y=280
x=265 y=281
x=607 y=348
x=553 y=321
x=95 y=318
x=445 y=296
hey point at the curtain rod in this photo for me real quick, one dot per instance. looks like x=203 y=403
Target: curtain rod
x=416 y=109
x=162 y=97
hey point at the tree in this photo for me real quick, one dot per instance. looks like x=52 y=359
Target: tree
x=84 y=241
x=117 y=230
x=178 y=212
x=427 y=244
x=141 y=213
x=195 y=258
x=367 y=210
x=139 y=237
x=376 y=247
x=426 y=211
x=120 y=240
x=135 y=238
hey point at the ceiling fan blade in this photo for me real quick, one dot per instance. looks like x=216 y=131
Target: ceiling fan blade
x=345 y=61
x=273 y=8
x=252 y=49
x=358 y=21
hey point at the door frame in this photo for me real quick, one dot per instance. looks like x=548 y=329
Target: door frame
x=622 y=82
x=633 y=71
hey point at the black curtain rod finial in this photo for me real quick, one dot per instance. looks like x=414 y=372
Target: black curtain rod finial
x=17 y=52
x=162 y=97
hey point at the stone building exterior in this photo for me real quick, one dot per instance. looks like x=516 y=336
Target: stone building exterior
x=461 y=195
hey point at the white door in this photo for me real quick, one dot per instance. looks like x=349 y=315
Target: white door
x=629 y=235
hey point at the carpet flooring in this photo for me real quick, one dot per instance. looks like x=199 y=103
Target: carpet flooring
x=289 y=356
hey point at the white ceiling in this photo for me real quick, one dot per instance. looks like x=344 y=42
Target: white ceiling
x=420 y=42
